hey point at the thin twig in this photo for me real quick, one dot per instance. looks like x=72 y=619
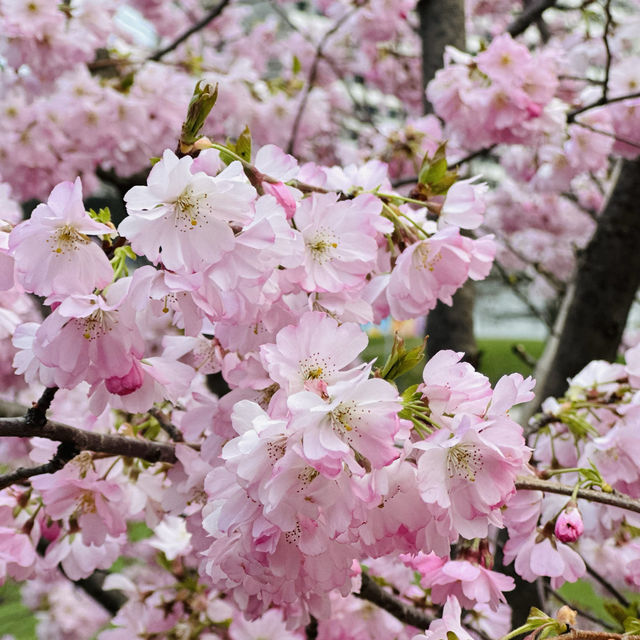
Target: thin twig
x=583 y=614
x=166 y=425
x=519 y=351
x=313 y=73
x=607 y=133
x=605 y=39
x=64 y=454
x=360 y=107
x=616 y=499
x=579 y=634
x=473 y=155
x=214 y=13
x=522 y=296
x=571 y=116
x=607 y=585
x=557 y=284
x=89 y=440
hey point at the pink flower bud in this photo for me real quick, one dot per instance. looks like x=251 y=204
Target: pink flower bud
x=126 y=384
x=569 y=525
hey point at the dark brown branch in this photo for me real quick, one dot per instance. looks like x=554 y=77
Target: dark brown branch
x=404 y=612
x=90 y=441
x=311 y=630
x=36 y=415
x=526 y=483
x=166 y=425
x=472 y=156
x=64 y=454
x=530 y=15
x=111 y=600
x=214 y=13
x=11 y=409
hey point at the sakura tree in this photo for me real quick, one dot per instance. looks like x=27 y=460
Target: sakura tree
x=195 y=445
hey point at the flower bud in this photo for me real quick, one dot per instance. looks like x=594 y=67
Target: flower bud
x=569 y=525
x=127 y=384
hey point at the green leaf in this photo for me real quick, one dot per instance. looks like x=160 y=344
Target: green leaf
x=617 y=611
x=401 y=360
x=119 y=261
x=578 y=426
x=137 y=531
x=243 y=145
x=103 y=215
x=434 y=172
x=202 y=101
x=296 y=67
x=227 y=158
x=631 y=625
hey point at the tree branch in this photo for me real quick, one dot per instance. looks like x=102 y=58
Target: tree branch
x=578 y=634
x=607 y=585
x=214 y=13
x=166 y=425
x=112 y=600
x=313 y=73
x=571 y=116
x=64 y=454
x=607 y=48
x=311 y=630
x=36 y=415
x=404 y=612
x=583 y=614
x=530 y=15
x=527 y=483
x=90 y=441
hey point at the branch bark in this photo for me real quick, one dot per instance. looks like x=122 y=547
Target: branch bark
x=404 y=612
x=442 y=23
x=530 y=15
x=89 y=441
x=578 y=634
x=527 y=483
x=64 y=454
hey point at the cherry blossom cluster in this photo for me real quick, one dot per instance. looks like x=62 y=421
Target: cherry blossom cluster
x=587 y=439
x=313 y=462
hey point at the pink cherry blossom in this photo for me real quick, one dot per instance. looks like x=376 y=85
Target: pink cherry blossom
x=183 y=219
x=318 y=348
x=340 y=241
x=434 y=269
x=53 y=251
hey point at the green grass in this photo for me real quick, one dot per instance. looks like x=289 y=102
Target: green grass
x=497 y=357
x=15 y=618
